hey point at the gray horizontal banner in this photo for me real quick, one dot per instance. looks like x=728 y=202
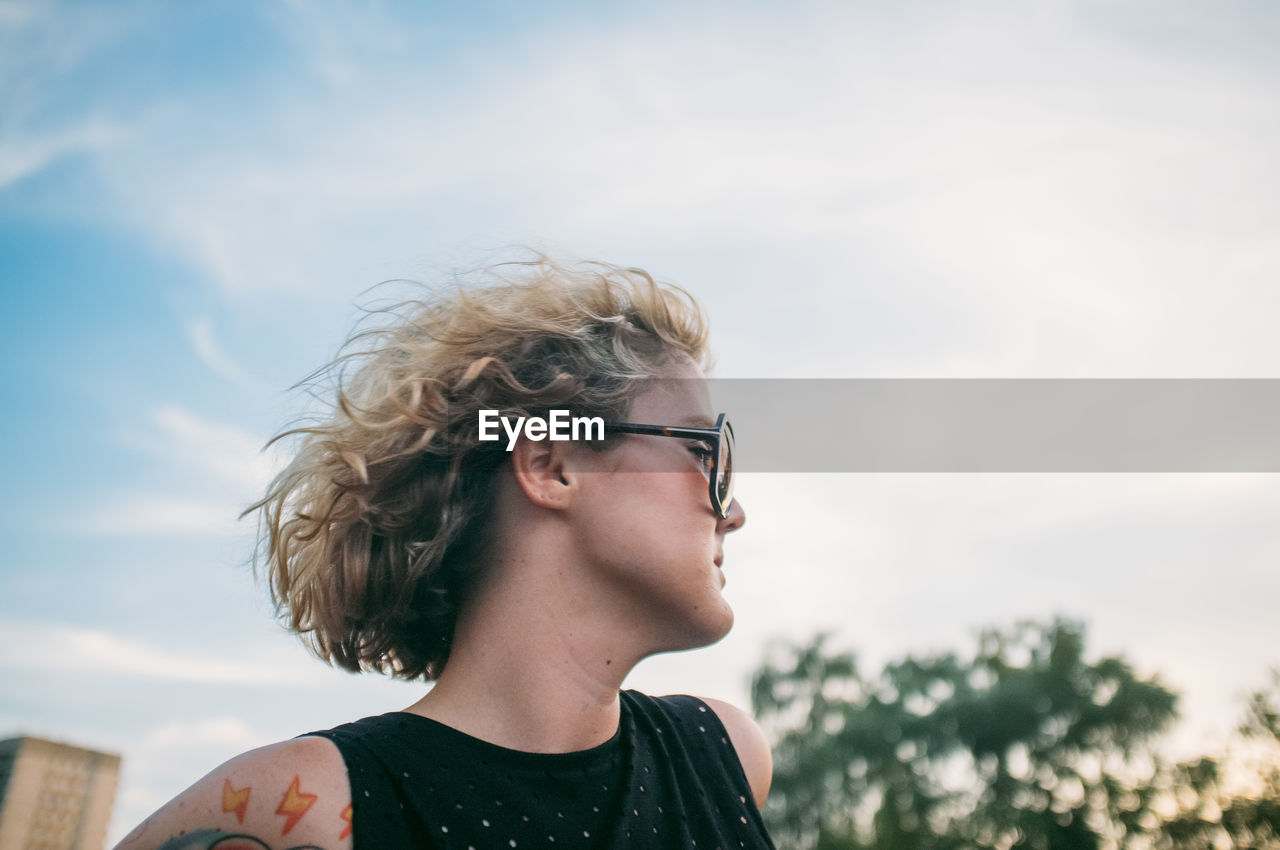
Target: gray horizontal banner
x=981 y=425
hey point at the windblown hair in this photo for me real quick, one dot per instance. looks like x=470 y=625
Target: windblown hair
x=374 y=532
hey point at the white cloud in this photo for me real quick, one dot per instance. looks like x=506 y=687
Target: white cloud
x=200 y=335
x=42 y=46
x=1034 y=196
x=221 y=732
x=133 y=515
x=57 y=647
x=222 y=451
x=22 y=156
x=211 y=470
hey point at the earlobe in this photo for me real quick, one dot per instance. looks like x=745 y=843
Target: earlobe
x=539 y=467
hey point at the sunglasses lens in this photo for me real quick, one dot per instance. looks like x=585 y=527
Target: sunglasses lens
x=724 y=470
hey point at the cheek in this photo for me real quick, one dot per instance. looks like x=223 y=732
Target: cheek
x=652 y=517
x=664 y=496
x=680 y=501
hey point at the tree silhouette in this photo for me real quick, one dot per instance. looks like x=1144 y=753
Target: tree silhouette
x=1022 y=744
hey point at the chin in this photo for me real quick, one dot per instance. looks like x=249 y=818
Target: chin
x=726 y=627
x=713 y=630
x=704 y=628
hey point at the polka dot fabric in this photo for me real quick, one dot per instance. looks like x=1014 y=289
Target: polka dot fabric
x=669 y=778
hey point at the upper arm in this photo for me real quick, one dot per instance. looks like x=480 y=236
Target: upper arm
x=293 y=794
x=751 y=744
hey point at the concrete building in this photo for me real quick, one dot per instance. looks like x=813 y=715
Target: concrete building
x=54 y=796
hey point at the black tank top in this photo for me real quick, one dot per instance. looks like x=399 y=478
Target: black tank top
x=669 y=777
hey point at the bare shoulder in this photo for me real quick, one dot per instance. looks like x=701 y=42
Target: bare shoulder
x=750 y=742
x=293 y=794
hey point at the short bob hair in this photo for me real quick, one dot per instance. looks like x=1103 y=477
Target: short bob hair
x=372 y=534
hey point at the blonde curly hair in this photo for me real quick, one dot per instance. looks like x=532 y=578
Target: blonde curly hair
x=373 y=533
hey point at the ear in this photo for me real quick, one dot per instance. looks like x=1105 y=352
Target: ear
x=542 y=471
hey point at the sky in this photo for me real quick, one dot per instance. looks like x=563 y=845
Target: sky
x=195 y=198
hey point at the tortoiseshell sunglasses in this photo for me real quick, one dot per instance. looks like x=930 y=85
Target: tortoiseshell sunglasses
x=720 y=441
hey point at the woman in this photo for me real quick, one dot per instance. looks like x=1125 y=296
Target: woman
x=524 y=576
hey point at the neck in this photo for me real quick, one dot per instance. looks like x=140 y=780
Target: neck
x=532 y=667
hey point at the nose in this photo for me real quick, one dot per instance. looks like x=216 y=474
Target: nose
x=736 y=519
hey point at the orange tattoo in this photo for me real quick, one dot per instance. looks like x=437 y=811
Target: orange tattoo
x=346 y=816
x=294 y=805
x=235 y=799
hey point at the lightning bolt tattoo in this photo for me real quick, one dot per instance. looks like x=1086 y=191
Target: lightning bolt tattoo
x=294 y=805
x=235 y=799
